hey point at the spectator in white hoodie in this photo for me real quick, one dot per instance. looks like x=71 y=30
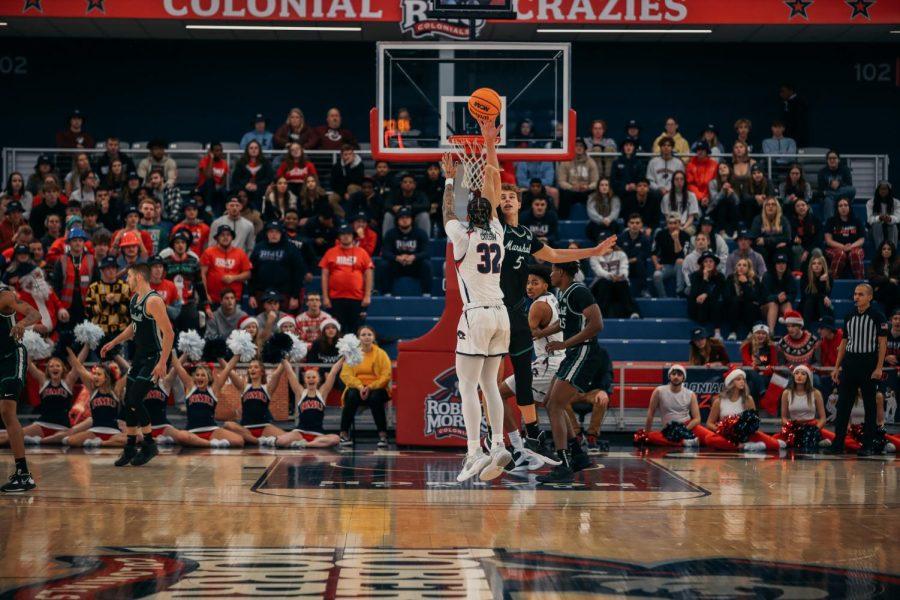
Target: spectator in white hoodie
x=661 y=168
x=611 y=287
x=883 y=214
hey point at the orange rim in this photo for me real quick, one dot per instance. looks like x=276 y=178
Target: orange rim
x=469 y=144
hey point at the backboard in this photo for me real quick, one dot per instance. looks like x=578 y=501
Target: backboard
x=423 y=90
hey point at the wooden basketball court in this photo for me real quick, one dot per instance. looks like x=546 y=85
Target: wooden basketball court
x=217 y=524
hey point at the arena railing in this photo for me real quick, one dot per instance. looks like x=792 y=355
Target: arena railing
x=867 y=169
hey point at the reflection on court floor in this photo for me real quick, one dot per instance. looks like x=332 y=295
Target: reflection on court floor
x=433 y=470
x=435 y=573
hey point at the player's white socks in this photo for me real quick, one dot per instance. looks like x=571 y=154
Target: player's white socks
x=492 y=397
x=468 y=371
x=515 y=438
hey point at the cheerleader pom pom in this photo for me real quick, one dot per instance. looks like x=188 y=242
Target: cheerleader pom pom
x=348 y=347
x=276 y=348
x=677 y=432
x=640 y=437
x=89 y=334
x=38 y=348
x=298 y=348
x=190 y=344
x=215 y=349
x=240 y=342
x=747 y=424
x=726 y=429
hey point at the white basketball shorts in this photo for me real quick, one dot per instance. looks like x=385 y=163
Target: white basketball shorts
x=483 y=331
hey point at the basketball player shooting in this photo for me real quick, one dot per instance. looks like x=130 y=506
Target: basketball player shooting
x=483 y=330
x=153 y=338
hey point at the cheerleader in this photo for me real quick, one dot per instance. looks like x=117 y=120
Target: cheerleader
x=678 y=410
x=256 y=420
x=310 y=432
x=56 y=398
x=802 y=411
x=201 y=400
x=102 y=428
x=734 y=400
x=854 y=440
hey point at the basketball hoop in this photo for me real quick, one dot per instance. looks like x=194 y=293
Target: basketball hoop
x=469 y=149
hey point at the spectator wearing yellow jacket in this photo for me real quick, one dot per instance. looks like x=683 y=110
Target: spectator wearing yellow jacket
x=367 y=384
x=681 y=147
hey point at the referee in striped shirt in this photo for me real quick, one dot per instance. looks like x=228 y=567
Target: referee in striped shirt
x=858 y=367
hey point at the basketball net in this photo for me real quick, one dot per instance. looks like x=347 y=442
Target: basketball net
x=469 y=149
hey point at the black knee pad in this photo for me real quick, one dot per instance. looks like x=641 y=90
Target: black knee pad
x=524 y=378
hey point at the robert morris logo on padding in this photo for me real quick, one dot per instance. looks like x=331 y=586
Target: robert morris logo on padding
x=417 y=24
x=328 y=572
x=443 y=408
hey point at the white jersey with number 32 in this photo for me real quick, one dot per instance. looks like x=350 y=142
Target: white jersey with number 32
x=478 y=255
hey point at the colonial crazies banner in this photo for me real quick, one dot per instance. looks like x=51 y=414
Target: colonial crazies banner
x=571 y=12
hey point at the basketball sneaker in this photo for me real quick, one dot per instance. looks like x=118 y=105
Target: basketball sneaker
x=500 y=457
x=128 y=453
x=145 y=454
x=525 y=460
x=561 y=473
x=539 y=446
x=346 y=441
x=592 y=444
x=472 y=465
x=580 y=462
x=18 y=482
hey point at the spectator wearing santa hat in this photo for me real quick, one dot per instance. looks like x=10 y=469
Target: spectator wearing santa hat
x=759 y=356
x=324 y=349
x=33 y=289
x=799 y=346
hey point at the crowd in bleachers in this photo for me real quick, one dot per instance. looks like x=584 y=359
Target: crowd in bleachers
x=700 y=220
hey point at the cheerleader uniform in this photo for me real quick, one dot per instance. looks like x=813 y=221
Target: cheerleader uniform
x=673 y=406
x=731 y=408
x=255 y=414
x=55 y=403
x=800 y=412
x=104 y=414
x=310 y=416
x=853 y=442
x=201 y=412
x=156 y=401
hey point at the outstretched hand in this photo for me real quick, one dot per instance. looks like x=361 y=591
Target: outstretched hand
x=448 y=165
x=490 y=131
x=606 y=246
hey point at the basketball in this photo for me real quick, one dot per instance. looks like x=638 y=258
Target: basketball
x=484 y=103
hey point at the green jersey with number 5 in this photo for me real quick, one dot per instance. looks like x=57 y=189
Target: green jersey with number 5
x=519 y=244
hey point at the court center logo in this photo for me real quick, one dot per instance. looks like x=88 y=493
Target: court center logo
x=443 y=408
x=416 y=23
x=328 y=572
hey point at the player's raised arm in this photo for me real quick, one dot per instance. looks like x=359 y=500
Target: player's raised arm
x=490 y=189
x=449 y=210
x=561 y=255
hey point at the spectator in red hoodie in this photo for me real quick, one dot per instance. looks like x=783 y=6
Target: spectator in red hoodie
x=293 y=130
x=701 y=169
x=74 y=136
x=365 y=237
x=332 y=136
x=192 y=224
x=213 y=172
x=295 y=168
x=830 y=338
x=11 y=223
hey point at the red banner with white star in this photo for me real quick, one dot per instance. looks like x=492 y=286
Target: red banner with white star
x=623 y=13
